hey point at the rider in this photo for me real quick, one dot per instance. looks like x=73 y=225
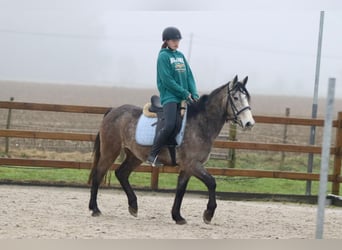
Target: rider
x=175 y=83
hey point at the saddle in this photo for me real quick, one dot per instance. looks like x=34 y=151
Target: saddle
x=151 y=109
x=155 y=109
x=156 y=106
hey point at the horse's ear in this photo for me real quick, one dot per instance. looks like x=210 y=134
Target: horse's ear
x=235 y=79
x=244 y=82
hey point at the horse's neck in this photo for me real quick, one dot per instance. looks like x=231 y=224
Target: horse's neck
x=215 y=125
x=213 y=120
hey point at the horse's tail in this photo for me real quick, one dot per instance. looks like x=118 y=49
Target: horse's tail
x=96 y=153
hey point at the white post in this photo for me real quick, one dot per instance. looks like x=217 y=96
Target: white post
x=323 y=179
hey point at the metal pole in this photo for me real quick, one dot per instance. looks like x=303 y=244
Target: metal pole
x=323 y=179
x=190 y=47
x=315 y=99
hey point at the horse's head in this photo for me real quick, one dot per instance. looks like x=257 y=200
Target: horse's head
x=238 y=108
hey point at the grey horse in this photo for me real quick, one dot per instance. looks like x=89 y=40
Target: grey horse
x=205 y=119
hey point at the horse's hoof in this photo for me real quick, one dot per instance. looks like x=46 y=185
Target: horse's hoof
x=133 y=211
x=96 y=213
x=207 y=217
x=181 y=222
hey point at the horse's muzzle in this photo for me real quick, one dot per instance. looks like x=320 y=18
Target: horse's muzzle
x=249 y=125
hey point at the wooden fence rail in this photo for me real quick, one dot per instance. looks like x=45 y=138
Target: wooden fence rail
x=335 y=178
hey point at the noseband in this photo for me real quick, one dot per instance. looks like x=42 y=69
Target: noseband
x=236 y=112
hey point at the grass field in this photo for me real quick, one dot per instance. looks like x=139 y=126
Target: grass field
x=166 y=181
x=293 y=162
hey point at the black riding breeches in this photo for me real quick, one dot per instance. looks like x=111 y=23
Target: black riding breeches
x=171 y=115
x=171 y=111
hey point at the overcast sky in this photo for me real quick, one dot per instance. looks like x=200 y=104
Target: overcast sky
x=101 y=43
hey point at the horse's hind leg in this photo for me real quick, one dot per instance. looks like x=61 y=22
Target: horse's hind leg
x=105 y=162
x=182 y=183
x=122 y=173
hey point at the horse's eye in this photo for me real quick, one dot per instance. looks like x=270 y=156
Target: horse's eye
x=236 y=98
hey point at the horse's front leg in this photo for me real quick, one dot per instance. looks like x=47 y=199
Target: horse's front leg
x=202 y=174
x=182 y=183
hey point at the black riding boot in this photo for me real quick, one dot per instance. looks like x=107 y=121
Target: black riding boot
x=158 y=143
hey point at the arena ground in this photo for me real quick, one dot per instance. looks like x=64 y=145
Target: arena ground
x=28 y=212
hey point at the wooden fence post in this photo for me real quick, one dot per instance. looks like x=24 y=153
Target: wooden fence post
x=231 y=151
x=154 y=178
x=287 y=114
x=8 y=125
x=338 y=156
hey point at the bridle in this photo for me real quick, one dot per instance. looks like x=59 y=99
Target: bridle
x=237 y=87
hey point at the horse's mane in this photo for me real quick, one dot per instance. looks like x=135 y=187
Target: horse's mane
x=196 y=107
x=199 y=106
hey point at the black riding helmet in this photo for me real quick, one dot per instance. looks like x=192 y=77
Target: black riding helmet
x=171 y=33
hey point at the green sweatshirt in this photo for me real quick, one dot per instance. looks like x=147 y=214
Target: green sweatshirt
x=174 y=77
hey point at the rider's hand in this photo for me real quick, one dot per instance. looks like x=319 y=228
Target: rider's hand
x=190 y=99
x=193 y=99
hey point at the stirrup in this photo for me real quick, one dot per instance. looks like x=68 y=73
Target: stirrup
x=153 y=161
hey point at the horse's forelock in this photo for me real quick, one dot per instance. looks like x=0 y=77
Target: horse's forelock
x=239 y=86
x=242 y=88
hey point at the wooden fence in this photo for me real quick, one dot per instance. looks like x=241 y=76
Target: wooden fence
x=335 y=178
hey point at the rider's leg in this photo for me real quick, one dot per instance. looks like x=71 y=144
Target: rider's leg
x=170 y=116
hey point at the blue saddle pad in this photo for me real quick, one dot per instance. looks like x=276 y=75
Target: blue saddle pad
x=146 y=130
